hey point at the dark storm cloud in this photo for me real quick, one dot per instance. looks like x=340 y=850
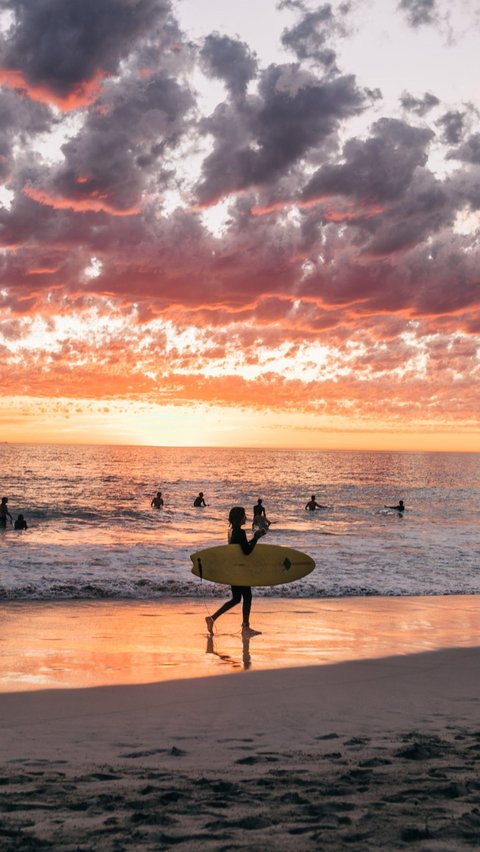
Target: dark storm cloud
x=59 y=44
x=230 y=60
x=452 y=126
x=419 y=106
x=259 y=140
x=419 y=12
x=378 y=169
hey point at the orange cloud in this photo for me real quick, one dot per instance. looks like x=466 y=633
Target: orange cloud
x=94 y=203
x=344 y=212
x=81 y=95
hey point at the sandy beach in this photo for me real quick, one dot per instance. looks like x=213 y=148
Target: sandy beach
x=364 y=736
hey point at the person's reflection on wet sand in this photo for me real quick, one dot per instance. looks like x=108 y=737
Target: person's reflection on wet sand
x=246 y=658
x=226 y=658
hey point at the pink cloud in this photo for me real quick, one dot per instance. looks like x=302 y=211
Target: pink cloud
x=94 y=203
x=80 y=95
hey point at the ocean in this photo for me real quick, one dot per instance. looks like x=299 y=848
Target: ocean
x=92 y=533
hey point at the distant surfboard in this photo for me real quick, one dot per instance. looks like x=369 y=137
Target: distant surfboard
x=267 y=565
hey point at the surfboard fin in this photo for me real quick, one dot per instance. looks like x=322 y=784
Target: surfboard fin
x=287 y=564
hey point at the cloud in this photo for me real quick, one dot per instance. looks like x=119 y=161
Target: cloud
x=469 y=152
x=107 y=165
x=60 y=50
x=259 y=141
x=229 y=60
x=419 y=106
x=19 y=120
x=452 y=126
x=311 y=37
x=419 y=12
x=297 y=238
x=378 y=169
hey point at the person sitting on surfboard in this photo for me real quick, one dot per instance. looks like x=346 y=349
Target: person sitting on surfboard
x=237 y=518
x=312 y=504
x=260 y=520
x=199 y=501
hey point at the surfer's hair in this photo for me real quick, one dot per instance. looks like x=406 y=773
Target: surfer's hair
x=236 y=516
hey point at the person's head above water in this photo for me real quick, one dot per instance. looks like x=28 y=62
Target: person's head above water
x=4 y=499
x=237 y=516
x=259 y=501
x=313 y=497
x=200 y=493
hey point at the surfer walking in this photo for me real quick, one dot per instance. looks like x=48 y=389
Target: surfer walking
x=237 y=518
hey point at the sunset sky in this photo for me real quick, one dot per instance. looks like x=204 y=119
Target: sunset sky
x=240 y=223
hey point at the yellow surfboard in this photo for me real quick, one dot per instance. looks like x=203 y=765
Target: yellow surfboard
x=266 y=565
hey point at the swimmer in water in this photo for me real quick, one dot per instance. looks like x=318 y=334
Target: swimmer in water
x=157 y=502
x=399 y=508
x=4 y=513
x=312 y=504
x=199 y=501
x=260 y=520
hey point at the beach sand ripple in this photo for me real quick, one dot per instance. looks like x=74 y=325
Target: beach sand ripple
x=415 y=790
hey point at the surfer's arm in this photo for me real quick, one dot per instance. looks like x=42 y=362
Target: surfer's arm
x=248 y=546
x=240 y=538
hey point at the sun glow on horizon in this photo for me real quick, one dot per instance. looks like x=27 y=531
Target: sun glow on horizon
x=139 y=424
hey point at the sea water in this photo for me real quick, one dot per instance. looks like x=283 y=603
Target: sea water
x=93 y=534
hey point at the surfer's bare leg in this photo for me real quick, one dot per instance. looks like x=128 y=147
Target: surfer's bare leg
x=235 y=599
x=247 y=631
x=247 y=605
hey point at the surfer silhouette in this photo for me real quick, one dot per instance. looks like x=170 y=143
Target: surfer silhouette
x=399 y=508
x=312 y=504
x=157 y=502
x=237 y=518
x=20 y=523
x=4 y=513
x=260 y=520
x=199 y=501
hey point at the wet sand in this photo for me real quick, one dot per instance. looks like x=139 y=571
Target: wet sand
x=100 y=643
x=367 y=738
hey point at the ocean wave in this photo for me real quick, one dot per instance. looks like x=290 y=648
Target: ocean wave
x=145 y=589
